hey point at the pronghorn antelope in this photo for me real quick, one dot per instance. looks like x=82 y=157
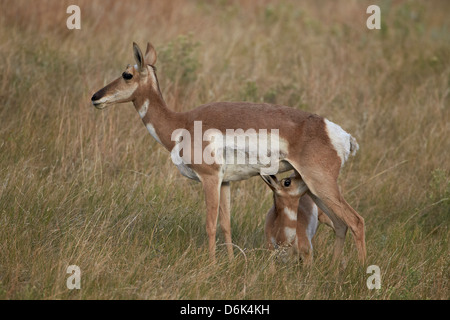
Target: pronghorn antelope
x=293 y=219
x=315 y=147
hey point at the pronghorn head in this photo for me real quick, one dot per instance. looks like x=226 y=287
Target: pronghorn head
x=134 y=79
x=291 y=188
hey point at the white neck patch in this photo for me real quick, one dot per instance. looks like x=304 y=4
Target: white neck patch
x=291 y=214
x=290 y=234
x=152 y=131
x=143 y=109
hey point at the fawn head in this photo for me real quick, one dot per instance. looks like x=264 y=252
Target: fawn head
x=291 y=188
x=134 y=80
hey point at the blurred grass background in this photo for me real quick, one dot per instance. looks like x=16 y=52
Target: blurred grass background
x=92 y=188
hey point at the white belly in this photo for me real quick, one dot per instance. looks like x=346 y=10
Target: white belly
x=233 y=172
x=235 y=161
x=236 y=172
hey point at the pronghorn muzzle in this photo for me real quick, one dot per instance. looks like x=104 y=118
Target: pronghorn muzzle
x=98 y=99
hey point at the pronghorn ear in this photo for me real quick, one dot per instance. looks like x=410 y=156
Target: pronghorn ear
x=138 y=57
x=271 y=181
x=295 y=174
x=150 y=55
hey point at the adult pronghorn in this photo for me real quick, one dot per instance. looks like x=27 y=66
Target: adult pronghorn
x=293 y=219
x=315 y=147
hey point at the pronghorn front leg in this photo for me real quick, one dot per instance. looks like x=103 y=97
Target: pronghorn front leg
x=224 y=216
x=211 y=187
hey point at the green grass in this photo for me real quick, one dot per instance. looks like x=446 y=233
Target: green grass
x=92 y=188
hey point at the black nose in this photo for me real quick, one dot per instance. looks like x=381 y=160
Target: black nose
x=99 y=94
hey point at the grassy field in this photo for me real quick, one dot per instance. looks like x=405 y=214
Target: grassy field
x=91 y=188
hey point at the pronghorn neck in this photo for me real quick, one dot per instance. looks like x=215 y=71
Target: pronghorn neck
x=286 y=209
x=159 y=120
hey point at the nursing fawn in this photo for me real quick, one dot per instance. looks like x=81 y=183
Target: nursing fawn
x=292 y=221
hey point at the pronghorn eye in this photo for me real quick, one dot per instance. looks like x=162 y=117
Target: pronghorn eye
x=127 y=76
x=287 y=182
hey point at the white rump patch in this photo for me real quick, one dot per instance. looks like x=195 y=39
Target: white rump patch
x=341 y=140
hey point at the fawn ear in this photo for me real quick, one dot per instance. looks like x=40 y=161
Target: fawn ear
x=150 y=55
x=138 y=57
x=295 y=174
x=271 y=181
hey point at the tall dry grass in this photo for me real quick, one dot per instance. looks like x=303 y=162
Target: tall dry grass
x=91 y=188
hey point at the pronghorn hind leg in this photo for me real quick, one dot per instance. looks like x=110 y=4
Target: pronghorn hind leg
x=324 y=219
x=325 y=192
x=224 y=216
x=340 y=227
